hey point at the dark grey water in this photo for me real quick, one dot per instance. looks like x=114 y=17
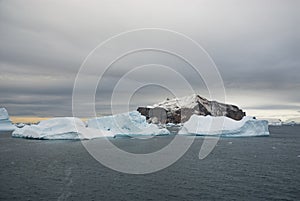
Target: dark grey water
x=258 y=168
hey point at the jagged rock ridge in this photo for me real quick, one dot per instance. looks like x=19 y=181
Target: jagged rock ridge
x=179 y=110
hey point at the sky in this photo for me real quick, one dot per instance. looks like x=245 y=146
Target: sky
x=255 y=45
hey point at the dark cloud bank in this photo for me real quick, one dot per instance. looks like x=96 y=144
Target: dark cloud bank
x=255 y=45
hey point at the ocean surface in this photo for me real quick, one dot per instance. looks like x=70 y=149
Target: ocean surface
x=254 y=168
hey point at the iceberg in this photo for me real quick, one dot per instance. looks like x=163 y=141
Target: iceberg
x=61 y=128
x=133 y=124
x=227 y=127
x=127 y=124
x=70 y=128
x=5 y=122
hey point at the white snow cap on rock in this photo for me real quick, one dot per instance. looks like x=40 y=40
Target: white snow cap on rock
x=5 y=123
x=175 y=103
x=224 y=126
x=131 y=123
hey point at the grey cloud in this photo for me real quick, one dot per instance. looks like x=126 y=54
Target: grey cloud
x=275 y=107
x=255 y=45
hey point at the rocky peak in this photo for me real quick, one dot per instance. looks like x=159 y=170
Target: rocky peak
x=179 y=110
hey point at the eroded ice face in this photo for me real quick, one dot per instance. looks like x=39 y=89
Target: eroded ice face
x=5 y=123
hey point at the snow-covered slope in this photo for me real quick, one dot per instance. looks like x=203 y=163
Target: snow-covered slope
x=192 y=102
x=175 y=103
x=132 y=123
x=224 y=126
x=60 y=128
x=5 y=123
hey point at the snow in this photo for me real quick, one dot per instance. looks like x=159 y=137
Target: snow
x=175 y=103
x=224 y=126
x=131 y=123
x=5 y=123
x=63 y=128
x=196 y=104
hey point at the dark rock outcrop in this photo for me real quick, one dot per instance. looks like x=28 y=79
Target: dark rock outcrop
x=180 y=110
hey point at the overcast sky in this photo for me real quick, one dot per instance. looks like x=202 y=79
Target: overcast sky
x=254 y=43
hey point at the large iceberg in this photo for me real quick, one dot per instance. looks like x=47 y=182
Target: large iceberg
x=5 y=122
x=127 y=124
x=225 y=127
x=66 y=128
x=61 y=128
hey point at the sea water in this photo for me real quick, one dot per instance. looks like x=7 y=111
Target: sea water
x=253 y=168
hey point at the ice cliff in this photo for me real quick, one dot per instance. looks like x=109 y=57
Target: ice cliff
x=127 y=124
x=63 y=128
x=131 y=123
x=5 y=122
